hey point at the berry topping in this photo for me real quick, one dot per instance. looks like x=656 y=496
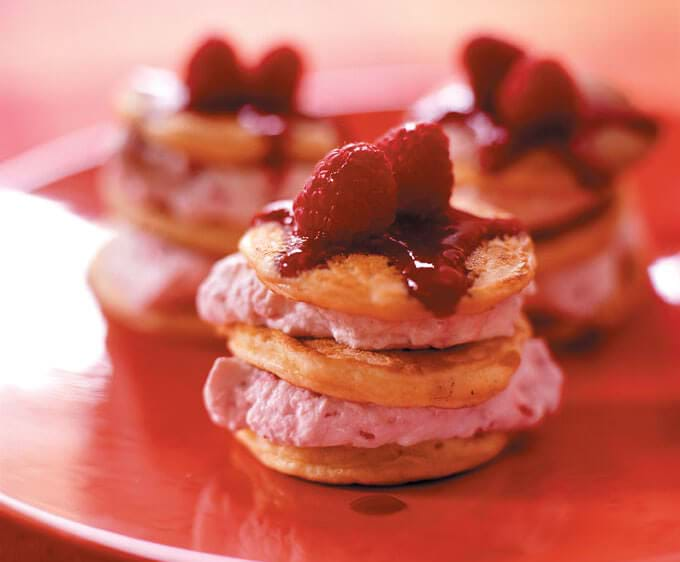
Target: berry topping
x=487 y=60
x=214 y=78
x=419 y=154
x=275 y=80
x=350 y=195
x=539 y=94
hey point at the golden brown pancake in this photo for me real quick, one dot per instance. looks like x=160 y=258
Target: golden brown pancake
x=457 y=377
x=209 y=139
x=389 y=464
x=579 y=243
x=367 y=285
x=538 y=189
x=183 y=323
x=218 y=239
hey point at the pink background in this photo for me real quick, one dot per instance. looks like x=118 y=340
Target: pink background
x=59 y=61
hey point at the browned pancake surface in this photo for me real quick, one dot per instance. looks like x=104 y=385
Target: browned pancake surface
x=367 y=285
x=389 y=464
x=456 y=377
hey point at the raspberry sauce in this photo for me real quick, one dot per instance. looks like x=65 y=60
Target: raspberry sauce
x=274 y=127
x=430 y=253
x=500 y=146
x=503 y=147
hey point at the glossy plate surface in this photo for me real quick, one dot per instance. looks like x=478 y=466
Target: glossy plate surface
x=103 y=435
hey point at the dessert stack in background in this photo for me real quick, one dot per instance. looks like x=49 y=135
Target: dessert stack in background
x=201 y=155
x=529 y=137
x=377 y=333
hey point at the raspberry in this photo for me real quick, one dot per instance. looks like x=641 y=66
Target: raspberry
x=275 y=80
x=419 y=154
x=487 y=60
x=214 y=78
x=538 y=94
x=351 y=195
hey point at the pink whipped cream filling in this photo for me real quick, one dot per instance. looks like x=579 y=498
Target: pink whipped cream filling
x=238 y=395
x=580 y=288
x=153 y=273
x=203 y=193
x=233 y=293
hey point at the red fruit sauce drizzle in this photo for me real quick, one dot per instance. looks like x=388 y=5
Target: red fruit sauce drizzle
x=274 y=127
x=500 y=146
x=430 y=253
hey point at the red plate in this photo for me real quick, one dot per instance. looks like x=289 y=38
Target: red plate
x=103 y=436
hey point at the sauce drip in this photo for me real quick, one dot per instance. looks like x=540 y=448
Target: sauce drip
x=430 y=253
x=377 y=504
x=276 y=161
x=274 y=127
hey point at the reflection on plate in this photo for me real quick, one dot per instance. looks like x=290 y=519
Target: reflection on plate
x=103 y=435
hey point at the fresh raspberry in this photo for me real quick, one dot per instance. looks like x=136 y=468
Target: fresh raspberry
x=275 y=80
x=487 y=60
x=538 y=94
x=350 y=195
x=419 y=154
x=214 y=78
